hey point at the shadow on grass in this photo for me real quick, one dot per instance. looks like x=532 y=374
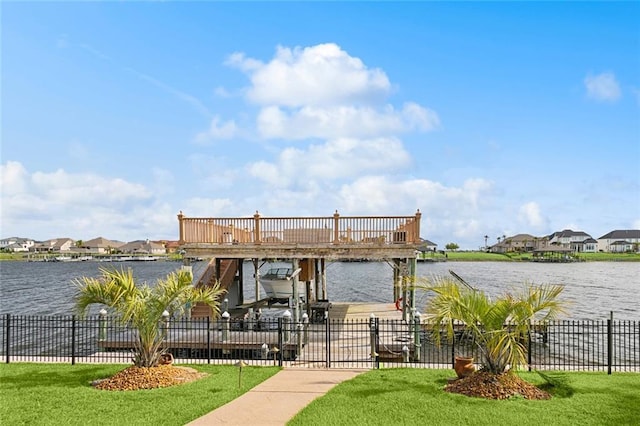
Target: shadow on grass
x=557 y=384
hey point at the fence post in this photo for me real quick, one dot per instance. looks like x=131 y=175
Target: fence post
x=377 y=339
x=280 y=340
x=305 y=322
x=372 y=337
x=453 y=346
x=529 y=346
x=417 y=336
x=299 y=339
x=609 y=342
x=7 y=337
x=327 y=338
x=73 y=340
x=208 y=339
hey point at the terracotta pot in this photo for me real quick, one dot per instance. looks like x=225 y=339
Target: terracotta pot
x=464 y=366
x=166 y=359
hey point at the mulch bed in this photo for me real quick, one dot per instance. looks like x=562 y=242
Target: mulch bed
x=135 y=378
x=496 y=386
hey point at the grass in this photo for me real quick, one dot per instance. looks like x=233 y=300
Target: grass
x=415 y=396
x=479 y=256
x=611 y=257
x=61 y=394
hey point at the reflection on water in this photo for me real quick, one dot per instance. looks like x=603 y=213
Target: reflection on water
x=593 y=288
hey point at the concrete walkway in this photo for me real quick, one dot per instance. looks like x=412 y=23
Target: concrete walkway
x=276 y=400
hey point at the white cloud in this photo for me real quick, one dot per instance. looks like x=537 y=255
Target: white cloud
x=218 y=130
x=343 y=121
x=207 y=207
x=319 y=75
x=321 y=92
x=530 y=215
x=602 y=87
x=380 y=194
x=336 y=159
x=13 y=178
x=163 y=181
x=48 y=204
x=85 y=189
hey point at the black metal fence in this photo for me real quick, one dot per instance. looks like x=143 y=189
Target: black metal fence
x=608 y=345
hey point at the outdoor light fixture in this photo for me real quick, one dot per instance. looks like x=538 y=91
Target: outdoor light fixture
x=240 y=364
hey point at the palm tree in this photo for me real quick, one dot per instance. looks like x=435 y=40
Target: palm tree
x=498 y=328
x=144 y=307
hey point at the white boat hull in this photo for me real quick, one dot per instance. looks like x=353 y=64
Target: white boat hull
x=281 y=289
x=277 y=284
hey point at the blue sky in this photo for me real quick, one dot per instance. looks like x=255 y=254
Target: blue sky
x=491 y=118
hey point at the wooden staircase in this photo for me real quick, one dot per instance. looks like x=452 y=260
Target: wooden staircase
x=228 y=268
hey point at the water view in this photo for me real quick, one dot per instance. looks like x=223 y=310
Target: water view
x=593 y=289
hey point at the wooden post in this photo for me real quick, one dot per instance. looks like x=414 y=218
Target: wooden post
x=316 y=280
x=256 y=229
x=412 y=277
x=181 y=227
x=397 y=280
x=417 y=227
x=336 y=228
x=323 y=269
x=256 y=267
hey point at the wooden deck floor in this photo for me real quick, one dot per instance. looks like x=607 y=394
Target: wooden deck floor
x=352 y=310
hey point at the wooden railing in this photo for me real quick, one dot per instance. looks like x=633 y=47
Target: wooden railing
x=336 y=229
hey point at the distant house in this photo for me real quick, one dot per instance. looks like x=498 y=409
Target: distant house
x=426 y=245
x=142 y=247
x=588 y=246
x=517 y=243
x=170 y=246
x=565 y=241
x=101 y=245
x=16 y=244
x=55 y=245
x=620 y=241
x=577 y=241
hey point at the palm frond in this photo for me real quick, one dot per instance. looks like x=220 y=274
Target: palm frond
x=499 y=328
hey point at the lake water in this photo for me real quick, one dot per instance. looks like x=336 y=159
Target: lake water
x=593 y=289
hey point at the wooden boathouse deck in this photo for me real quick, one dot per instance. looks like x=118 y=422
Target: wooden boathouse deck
x=307 y=242
x=331 y=237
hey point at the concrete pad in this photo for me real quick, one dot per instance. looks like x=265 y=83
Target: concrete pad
x=276 y=400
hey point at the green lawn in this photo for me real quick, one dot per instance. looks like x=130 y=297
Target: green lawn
x=415 y=396
x=61 y=394
x=479 y=256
